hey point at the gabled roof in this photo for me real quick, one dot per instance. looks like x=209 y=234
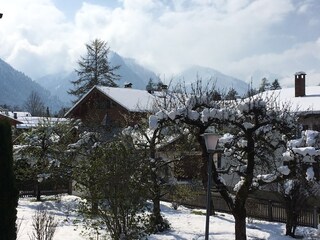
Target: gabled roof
x=134 y=100
x=306 y=104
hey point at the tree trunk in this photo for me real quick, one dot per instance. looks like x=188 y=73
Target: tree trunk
x=240 y=223
x=292 y=219
x=239 y=211
x=156 y=212
x=38 y=191
x=157 y=221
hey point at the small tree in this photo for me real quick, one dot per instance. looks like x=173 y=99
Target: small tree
x=265 y=85
x=40 y=153
x=114 y=182
x=275 y=85
x=8 y=190
x=231 y=94
x=150 y=86
x=94 y=69
x=149 y=140
x=86 y=154
x=34 y=104
x=44 y=225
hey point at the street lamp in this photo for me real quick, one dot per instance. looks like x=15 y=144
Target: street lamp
x=211 y=140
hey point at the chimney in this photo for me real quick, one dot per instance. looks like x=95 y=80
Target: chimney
x=127 y=85
x=164 y=87
x=300 y=84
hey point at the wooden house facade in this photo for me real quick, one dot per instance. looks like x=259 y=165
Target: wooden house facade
x=112 y=106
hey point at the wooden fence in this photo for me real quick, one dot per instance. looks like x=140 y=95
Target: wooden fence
x=257 y=208
x=29 y=189
x=270 y=211
x=32 y=193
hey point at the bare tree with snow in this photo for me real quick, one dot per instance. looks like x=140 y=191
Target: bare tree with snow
x=256 y=126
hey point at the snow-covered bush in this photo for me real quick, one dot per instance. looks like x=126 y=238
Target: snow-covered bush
x=302 y=159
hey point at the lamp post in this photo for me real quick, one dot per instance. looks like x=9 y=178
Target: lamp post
x=211 y=140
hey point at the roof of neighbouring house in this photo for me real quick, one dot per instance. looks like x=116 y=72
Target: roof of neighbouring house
x=27 y=122
x=10 y=119
x=134 y=100
x=305 y=104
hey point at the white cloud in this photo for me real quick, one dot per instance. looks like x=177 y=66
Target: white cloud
x=233 y=36
x=302 y=57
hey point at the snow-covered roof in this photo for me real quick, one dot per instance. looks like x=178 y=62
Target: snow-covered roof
x=18 y=114
x=134 y=100
x=308 y=103
x=30 y=122
x=11 y=119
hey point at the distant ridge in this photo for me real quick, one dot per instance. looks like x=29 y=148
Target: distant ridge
x=222 y=82
x=131 y=71
x=15 y=88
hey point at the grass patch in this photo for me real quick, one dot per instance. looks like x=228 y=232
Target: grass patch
x=197 y=212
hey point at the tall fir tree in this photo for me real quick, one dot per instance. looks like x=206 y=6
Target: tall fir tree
x=94 y=69
x=8 y=190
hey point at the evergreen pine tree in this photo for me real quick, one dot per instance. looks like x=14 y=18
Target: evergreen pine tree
x=150 y=86
x=232 y=94
x=265 y=85
x=8 y=190
x=275 y=85
x=94 y=69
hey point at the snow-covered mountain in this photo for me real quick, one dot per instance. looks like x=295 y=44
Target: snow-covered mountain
x=222 y=82
x=16 y=87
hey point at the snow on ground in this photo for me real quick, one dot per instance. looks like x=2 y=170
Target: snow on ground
x=186 y=224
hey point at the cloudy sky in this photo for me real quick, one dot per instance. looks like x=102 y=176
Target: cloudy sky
x=236 y=37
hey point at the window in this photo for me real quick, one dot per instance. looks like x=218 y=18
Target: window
x=104 y=104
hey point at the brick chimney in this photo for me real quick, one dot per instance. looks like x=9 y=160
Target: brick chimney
x=300 y=84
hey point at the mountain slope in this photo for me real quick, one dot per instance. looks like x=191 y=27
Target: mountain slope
x=130 y=71
x=223 y=82
x=15 y=88
x=59 y=84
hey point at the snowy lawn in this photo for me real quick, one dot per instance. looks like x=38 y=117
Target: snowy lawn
x=186 y=224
